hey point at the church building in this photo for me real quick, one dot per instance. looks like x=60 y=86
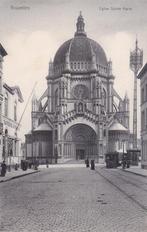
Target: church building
x=80 y=115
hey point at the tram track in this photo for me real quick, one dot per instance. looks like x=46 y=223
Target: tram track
x=129 y=196
x=121 y=173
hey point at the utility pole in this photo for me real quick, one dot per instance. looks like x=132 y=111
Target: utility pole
x=136 y=62
x=16 y=129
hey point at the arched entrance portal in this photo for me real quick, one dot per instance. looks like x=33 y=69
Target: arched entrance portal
x=80 y=142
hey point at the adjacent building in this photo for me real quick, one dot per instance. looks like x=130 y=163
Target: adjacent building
x=71 y=120
x=143 y=86
x=10 y=99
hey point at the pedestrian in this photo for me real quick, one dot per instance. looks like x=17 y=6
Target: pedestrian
x=16 y=167
x=92 y=165
x=124 y=161
x=107 y=161
x=87 y=163
x=47 y=163
x=3 y=169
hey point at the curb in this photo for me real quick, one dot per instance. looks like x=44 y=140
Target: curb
x=15 y=177
x=138 y=174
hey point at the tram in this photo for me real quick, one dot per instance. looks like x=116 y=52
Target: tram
x=114 y=159
x=134 y=155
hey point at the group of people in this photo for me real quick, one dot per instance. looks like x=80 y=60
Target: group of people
x=92 y=164
x=4 y=168
x=125 y=162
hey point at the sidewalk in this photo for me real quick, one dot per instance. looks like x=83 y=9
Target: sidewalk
x=137 y=170
x=16 y=174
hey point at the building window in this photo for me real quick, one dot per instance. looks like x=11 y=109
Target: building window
x=78 y=65
x=146 y=119
x=6 y=105
x=142 y=120
x=15 y=111
x=75 y=65
x=142 y=95
x=82 y=65
x=56 y=134
x=104 y=98
x=56 y=98
x=146 y=92
x=0 y=108
x=0 y=85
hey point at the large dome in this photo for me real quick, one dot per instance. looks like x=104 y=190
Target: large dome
x=80 y=48
x=80 y=53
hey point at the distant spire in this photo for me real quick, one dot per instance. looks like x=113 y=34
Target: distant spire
x=80 y=25
x=34 y=102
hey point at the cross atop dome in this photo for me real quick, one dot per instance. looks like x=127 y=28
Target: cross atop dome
x=80 y=25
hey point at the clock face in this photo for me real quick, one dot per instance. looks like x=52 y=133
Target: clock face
x=81 y=92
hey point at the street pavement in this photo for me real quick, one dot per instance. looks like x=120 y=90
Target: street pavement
x=19 y=173
x=74 y=200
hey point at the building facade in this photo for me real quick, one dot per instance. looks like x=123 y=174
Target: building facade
x=143 y=86
x=10 y=98
x=72 y=118
x=3 y=53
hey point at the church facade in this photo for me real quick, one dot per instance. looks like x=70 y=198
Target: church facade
x=71 y=120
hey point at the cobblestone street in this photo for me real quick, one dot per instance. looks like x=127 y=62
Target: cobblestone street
x=74 y=200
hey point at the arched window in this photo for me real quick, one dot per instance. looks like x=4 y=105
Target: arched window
x=6 y=105
x=15 y=111
x=71 y=65
x=78 y=65
x=75 y=65
x=82 y=65
x=56 y=98
x=104 y=96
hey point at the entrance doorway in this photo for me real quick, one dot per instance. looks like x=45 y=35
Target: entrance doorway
x=80 y=154
x=80 y=142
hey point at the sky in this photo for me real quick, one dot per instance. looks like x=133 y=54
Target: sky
x=31 y=31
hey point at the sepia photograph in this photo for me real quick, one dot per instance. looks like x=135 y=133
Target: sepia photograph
x=73 y=116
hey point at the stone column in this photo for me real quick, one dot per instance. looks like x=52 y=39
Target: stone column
x=100 y=139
